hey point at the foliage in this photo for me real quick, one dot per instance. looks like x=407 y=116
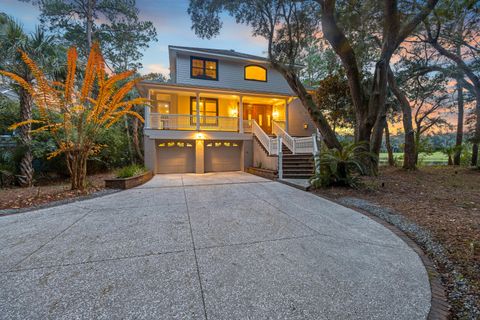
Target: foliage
x=131 y=171
x=77 y=115
x=341 y=167
x=333 y=98
x=450 y=152
x=113 y=23
x=9 y=114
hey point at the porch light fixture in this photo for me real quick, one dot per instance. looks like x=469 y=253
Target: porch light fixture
x=305 y=126
x=275 y=114
x=200 y=136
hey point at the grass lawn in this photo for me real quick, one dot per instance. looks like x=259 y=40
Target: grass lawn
x=444 y=200
x=428 y=159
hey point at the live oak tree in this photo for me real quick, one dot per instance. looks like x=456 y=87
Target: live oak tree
x=288 y=25
x=453 y=32
x=77 y=112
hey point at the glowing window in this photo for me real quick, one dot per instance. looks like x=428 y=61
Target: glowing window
x=235 y=145
x=226 y=144
x=189 y=145
x=209 y=144
x=171 y=144
x=203 y=68
x=255 y=73
x=161 y=145
x=180 y=144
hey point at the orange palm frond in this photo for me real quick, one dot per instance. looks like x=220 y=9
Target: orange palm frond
x=71 y=69
x=24 y=123
x=24 y=84
x=90 y=71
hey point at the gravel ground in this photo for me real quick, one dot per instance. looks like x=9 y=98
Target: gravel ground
x=459 y=292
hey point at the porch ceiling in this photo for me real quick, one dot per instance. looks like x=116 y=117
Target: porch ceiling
x=145 y=85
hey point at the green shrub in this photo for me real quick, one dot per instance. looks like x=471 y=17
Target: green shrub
x=341 y=167
x=131 y=171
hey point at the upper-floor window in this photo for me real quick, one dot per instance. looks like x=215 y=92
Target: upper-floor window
x=203 y=68
x=255 y=73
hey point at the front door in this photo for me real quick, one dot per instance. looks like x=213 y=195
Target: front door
x=261 y=113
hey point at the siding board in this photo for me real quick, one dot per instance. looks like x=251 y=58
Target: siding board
x=231 y=76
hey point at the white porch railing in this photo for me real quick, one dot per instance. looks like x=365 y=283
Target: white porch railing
x=189 y=122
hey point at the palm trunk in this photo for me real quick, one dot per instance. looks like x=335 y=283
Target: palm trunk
x=26 y=168
x=391 y=160
x=459 y=138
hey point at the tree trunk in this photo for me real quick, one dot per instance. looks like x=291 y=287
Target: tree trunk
x=129 y=141
x=409 y=152
x=136 y=140
x=391 y=160
x=474 y=154
x=459 y=138
x=321 y=123
x=90 y=5
x=476 y=136
x=77 y=166
x=417 y=144
x=26 y=168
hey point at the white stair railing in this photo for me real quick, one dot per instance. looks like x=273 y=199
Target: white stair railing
x=288 y=140
x=296 y=145
x=270 y=144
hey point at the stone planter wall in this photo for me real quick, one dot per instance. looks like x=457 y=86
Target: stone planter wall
x=127 y=183
x=264 y=173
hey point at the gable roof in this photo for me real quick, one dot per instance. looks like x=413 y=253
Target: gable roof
x=221 y=52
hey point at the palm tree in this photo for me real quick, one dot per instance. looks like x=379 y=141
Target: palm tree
x=43 y=49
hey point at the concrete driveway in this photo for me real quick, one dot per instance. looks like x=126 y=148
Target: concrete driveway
x=213 y=246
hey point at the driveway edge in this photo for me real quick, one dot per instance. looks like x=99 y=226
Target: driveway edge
x=439 y=306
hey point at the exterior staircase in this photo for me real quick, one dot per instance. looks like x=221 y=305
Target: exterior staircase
x=296 y=166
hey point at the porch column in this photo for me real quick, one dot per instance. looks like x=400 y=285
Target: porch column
x=240 y=115
x=286 y=115
x=147 y=114
x=197 y=109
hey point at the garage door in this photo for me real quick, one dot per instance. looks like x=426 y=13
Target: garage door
x=222 y=156
x=175 y=156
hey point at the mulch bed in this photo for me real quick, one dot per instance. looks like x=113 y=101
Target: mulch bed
x=443 y=200
x=45 y=192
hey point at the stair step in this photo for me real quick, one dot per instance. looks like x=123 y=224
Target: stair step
x=296 y=176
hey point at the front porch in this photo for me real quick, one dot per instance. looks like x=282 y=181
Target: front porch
x=184 y=109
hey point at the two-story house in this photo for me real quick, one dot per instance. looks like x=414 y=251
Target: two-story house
x=221 y=111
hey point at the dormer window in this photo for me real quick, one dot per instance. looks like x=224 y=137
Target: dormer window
x=203 y=68
x=255 y=73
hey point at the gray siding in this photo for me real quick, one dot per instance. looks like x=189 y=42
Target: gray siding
x=231 y=76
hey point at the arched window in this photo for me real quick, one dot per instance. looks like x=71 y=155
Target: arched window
x=255 y=73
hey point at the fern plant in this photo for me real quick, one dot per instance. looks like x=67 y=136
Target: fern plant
x=341 y=167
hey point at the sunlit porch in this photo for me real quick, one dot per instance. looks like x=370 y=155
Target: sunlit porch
x=190 y=110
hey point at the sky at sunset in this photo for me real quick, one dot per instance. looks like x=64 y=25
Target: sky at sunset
x=173 y=27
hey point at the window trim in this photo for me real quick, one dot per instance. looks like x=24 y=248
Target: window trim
x=202 y=121
x=204 y=77
x=254 y=65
